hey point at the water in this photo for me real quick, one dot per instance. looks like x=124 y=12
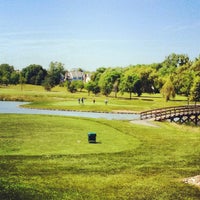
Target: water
x=14 y=108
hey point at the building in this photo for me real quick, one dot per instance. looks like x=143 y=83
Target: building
x=75 y=75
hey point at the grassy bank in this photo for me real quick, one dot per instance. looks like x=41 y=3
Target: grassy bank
x=60 y=99
x=48 y=157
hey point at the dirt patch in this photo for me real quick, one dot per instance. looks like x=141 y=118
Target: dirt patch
x=195 y=180
x=144 y=123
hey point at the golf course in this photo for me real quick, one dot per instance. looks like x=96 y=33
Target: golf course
x=49 y=156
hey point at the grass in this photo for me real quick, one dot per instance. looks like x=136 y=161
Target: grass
x=48 y=157
x=66 y=136
x=60 y=99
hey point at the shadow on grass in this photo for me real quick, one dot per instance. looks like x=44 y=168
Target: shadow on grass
x=95 y=142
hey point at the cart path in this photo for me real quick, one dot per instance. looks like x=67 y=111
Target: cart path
x=145 y=123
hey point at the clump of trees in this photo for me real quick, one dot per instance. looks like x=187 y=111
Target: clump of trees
x=177 y=74
x=8 y=75
x=54 y=76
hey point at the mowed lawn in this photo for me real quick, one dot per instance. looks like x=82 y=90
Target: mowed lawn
x=59 y=98
x=49 y=157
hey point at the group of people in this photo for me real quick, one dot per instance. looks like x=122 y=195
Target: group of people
x=81 y=100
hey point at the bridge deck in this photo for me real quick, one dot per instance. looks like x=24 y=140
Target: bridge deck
x=179 y=113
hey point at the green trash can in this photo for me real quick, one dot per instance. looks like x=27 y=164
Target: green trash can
x=92 y=137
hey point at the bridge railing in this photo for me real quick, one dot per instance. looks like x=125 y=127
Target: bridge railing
x=166 y=113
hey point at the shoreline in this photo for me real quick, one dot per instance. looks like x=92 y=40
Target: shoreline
x=92 y=111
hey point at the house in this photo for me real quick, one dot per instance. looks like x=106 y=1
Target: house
x=75 y=74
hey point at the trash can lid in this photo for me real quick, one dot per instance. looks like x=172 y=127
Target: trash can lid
x=91 y=133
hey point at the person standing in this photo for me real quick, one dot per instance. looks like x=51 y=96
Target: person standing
x=106 y=101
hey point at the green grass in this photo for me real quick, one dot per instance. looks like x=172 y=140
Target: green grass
x=58 y=135
x=48 y=157
x=60 y=99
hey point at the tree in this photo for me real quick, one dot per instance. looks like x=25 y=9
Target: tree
x=47 y=83
x=89 y=87
x=185 y=83
x=147 y=81
x=195 y=90
x=96 y=75
x=22 y=81
x=5 y=73
x=130 y=83
x=93 y=87
x=116 y=87
x=15 y=77
x=74 y=85
x=168 y=90
x=71 y=86
x=55 y=72
x=79 y=84
x=196 y=66
x=34 y=74
x=107 y=80
x=171 y=62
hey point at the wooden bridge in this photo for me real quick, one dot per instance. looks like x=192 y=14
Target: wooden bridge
x=179 y=114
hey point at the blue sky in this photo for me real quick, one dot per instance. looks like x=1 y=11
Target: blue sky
x=95 y=33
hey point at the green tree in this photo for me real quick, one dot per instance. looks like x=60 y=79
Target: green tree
x=34 y=74
x=71 y=86
x=5 y=73
x=183 y=80
x=89 y=86
x=15 y=77
x=22 y=81
x=108 y=79
x=195 y=90
x=196 y=66
x=171 y=62
x=147 y=80
x=93 y=87
x=47 y=83
x=74 y=85
x=96 y=75
x=79 y=84
x=130 y=83
x=168 y=90
x=55 y=72
x=116 y=87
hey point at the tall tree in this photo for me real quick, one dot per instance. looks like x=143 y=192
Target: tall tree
x=22 y=81
x=130 y=83
x=5 y=73
x=171 y=62
x=107 y=80
x=196 y=66
x=55 y=72
x=34 y=74
x=195 y=90
x=168 y=90
x=74 y=85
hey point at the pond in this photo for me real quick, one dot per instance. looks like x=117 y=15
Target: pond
x=14 y=108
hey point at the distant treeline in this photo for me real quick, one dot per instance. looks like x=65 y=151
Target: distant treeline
x=177 y=74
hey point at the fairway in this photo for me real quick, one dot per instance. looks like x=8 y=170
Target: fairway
x=50 y=135
x=49 y=157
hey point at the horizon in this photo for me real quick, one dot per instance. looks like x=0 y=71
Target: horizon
x=91 y=34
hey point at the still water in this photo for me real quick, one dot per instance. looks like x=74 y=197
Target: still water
x=14 y=107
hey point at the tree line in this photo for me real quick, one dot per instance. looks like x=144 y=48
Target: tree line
x=177 y=74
